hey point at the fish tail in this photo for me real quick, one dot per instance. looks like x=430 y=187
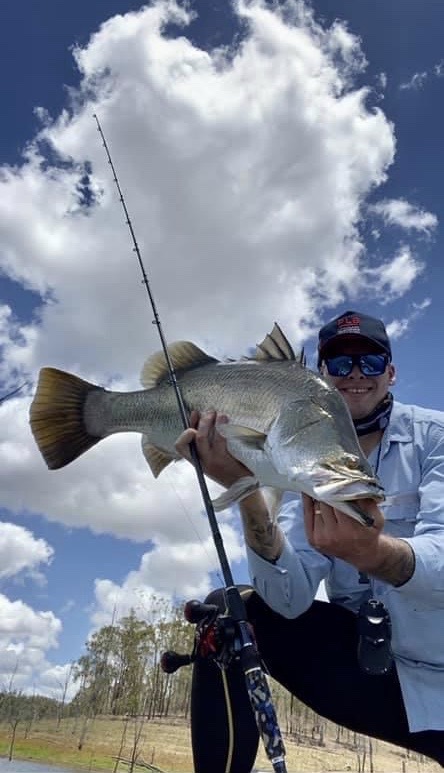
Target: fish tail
x=56 y=417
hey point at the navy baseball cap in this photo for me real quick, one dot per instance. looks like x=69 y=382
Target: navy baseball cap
x=350 y=324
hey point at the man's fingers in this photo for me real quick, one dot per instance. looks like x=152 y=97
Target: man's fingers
x=182 y=444
x=205 y=428
x=202 y=431
x=194 y=419
x=308 y=505
x=319 y=519
x=210 y=445
x=370 y=507
x=313 y=508
x=326 y=513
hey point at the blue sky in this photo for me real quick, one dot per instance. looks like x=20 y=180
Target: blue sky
x=263 y=185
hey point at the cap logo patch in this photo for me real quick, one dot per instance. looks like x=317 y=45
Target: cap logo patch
x=349 y=325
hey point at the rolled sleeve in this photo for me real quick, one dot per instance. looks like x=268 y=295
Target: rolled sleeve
x=427 y=581
x=427 y=542
x=289 y=585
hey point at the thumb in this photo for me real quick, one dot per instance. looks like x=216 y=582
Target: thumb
x=182 y=444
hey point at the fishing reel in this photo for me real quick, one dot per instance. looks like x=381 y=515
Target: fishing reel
x=215 y=638
x=375 y=654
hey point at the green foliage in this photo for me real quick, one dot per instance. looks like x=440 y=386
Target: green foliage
x=120 y=673
x=14 y=705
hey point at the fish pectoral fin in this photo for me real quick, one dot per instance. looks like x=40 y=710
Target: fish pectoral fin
x=184 y=355
x=273 y=499
x=249 y=437
x=238 y=491
x=156 y=457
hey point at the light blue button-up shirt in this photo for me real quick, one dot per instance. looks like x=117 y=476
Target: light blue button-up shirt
x=411 y=469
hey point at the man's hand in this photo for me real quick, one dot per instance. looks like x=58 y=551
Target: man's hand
x=332 y=532
x=365 y=547
x=217 y=462
x=261 y=531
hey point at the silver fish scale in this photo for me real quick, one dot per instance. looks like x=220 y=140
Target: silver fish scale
x=286 y=424
x=251 y=394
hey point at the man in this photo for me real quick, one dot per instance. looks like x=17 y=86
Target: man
x=309 y=646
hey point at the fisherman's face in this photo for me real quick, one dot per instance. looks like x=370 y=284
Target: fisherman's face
x=361 y=393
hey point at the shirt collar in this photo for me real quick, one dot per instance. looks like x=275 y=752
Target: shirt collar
x=400 y=427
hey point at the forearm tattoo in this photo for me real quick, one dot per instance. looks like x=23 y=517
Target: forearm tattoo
x=397 y=563
x=262 y=532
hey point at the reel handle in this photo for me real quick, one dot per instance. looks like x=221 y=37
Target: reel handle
x=195 y=611
x=171 y=661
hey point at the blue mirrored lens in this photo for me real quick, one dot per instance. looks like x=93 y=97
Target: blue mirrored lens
x=373 y=364
x=339 y=366
x=369 y=364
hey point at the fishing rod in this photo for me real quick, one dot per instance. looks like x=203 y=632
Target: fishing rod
x=231 y=630
x=14 y=392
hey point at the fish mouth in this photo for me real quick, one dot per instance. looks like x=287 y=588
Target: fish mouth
x=346 y=491
x=329 y=485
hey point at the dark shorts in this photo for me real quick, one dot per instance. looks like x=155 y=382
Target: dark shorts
x=315 y=657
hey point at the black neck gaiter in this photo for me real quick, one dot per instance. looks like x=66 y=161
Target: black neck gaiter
x=377 y=419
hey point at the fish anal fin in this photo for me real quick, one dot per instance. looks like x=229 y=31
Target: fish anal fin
x=248 y=436
x=239 y=490
x=156 y=457
x=184 y=355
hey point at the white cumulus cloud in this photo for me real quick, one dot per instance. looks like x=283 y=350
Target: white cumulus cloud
x=178 y=571
x=406 y=215
x=416 y=81
x=26 y=636
x=246 y=171
x=21 y=551
x=398 y=327
x=396 y=276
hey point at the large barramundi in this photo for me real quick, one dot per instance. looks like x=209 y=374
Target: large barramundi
x=286 y=424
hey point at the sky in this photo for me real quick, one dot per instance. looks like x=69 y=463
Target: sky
x=280 y=162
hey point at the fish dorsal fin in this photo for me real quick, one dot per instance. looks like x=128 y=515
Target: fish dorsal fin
x=184 y=355
x=275 y=346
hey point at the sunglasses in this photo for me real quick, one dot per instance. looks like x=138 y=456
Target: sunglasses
x=368 y=364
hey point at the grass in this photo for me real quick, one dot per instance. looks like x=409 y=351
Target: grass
x=166 y=744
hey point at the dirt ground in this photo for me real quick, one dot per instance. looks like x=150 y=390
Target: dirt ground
x=166 y=745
